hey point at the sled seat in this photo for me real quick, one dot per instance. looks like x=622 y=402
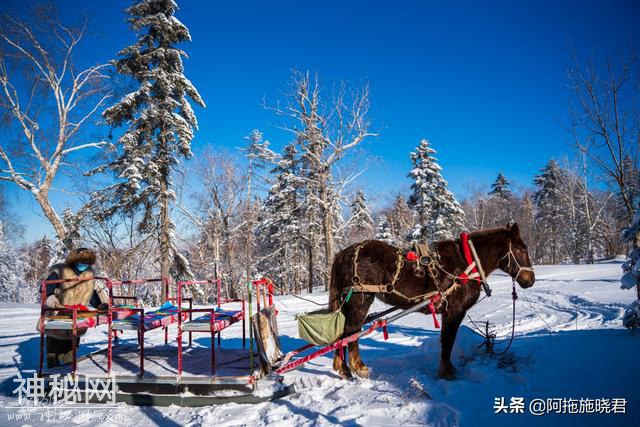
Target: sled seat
x=85 y=319
x=222 y=319
x=165 y=315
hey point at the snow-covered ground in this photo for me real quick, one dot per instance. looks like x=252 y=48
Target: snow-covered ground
x=569 y=344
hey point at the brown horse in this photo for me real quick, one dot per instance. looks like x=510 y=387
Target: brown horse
x=500 y=248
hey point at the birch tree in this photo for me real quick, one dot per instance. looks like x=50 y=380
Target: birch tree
x=606 y=120
x=326 y=130
x=46 y=101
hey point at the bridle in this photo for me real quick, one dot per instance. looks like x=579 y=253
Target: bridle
x=512 y=257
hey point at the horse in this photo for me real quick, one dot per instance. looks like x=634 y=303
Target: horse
x=378 y=263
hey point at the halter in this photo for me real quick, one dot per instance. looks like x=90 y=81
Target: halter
x=511 y=256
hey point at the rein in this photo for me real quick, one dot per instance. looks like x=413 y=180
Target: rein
x=511 y=256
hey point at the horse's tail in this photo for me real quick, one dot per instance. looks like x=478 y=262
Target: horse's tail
x=334 y=302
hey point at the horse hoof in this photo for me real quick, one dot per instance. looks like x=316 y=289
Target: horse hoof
x=345 y=375
x=447 y=373
x=362 y=372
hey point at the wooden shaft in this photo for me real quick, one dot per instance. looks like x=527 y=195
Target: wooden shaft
x=477 y=260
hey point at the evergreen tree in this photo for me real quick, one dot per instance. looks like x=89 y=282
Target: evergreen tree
x=383 y=231
x=361 y=223
x=338 y=222
x=500 y=188
x=631 y=271
x=42 y=257
x=13 y=268
x=259 y=155
x=401 y=219
x=159 y=122
x=548 y=201
x=279 y=228
x=631 y=176
x=439 y=215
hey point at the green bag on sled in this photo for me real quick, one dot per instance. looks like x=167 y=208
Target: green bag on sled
x=321 y=327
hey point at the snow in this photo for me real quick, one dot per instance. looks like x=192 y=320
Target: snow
x=583 y=353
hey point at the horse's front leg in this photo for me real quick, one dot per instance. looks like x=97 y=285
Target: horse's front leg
x=450 y=324
x=355 y=312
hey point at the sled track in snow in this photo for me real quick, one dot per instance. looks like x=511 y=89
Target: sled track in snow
x=563 y=311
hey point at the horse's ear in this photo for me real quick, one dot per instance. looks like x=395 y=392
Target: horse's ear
x=513 y=228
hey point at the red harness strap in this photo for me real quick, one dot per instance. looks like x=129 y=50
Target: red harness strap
x=464 y=241
x=433 y=299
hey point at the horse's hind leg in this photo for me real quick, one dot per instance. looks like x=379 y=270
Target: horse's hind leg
x=355 y=312
x=355 y=361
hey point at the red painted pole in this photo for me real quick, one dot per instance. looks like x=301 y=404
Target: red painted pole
x=141 y=341
x=219 y=282
x=74 y=345
x=190 y=319
x=110 y=333
x=244 y=327
x=179 y=329
x=270 y=289
x=213 y=346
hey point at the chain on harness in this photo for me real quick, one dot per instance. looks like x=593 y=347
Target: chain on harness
x=426 y=259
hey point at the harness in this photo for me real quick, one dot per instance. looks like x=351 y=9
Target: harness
x=511 y=256
x=424 y=256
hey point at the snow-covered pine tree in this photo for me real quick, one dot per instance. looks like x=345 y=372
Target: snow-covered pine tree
x=339 y=224
x=279 y=227
x=439 y=215
x=631 y=271
x=159 y=122
x=500 y=205
x=548 y=201
x=41 y=257
x=500 y=188
x=360 y=223
x=383 y=231
x=401 y=219
x=13 y=268
x=631 y=176
x=258 y=155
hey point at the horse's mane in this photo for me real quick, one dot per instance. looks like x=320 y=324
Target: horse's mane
x=487 y=233
x=490 y=232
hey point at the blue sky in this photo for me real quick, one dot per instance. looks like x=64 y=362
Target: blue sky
x=484 y=81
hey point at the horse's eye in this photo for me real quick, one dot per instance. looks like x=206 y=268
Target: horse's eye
x=520 y=246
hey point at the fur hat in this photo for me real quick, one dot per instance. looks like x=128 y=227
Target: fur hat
x=83 y=255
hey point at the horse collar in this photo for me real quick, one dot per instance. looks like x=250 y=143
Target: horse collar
x=474 y=269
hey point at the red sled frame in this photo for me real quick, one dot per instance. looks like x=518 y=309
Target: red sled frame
x=140 y=311
x=212 y=321
x=74 y=317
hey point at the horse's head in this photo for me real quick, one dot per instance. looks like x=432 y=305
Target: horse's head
x=516 y=262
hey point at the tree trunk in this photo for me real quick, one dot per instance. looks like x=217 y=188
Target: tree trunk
x=327 y=225
x=310 y=261
x=165 y=235
x=43 y=200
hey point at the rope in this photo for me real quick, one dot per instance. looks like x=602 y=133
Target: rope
x=549 y=329
x=297 y=296
x=514 y=297
x=490 y=337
